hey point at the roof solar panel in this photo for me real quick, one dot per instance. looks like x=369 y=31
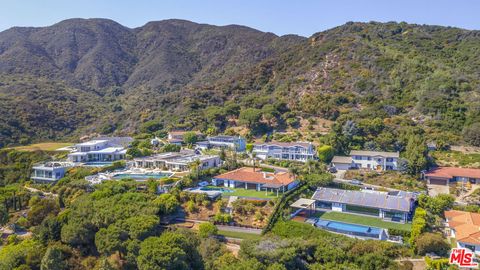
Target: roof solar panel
x=367 y=199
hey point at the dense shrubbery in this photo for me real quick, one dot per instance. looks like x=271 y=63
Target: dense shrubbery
x=419 y=224
x=320 y=247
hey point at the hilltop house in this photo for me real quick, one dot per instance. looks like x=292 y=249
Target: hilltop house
x=297 y=151
x=465 y=228
x=176 y=161
x=233 y=142
x=101 y=149
x=394 y=206
x=250 y=178
x=373 y=160
x=176 y=137
x=49 y=172
x=446 y=175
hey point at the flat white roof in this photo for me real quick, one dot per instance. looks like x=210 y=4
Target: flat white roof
x=78 y=154
x=52 y=165
x=374 y=153
x=92 y=142
x=302 y=203
x=177 y=158
x=341 y=159
x=107 y=150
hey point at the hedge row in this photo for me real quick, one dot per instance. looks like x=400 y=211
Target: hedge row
x=281 y=204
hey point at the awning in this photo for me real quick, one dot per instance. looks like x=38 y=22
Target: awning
x=303 y=203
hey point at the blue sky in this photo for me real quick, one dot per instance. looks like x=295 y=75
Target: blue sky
x=302 y=17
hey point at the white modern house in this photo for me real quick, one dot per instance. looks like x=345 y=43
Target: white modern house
x=233 y=142
x=373 y=160
x=392 y=206
x=296 y=151
x=97 y=150
x=177 y=161
x=464 y=227
x=49 y=172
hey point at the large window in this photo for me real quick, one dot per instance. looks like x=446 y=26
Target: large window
x=472 y=248
x=362 y=210
x=324 y=205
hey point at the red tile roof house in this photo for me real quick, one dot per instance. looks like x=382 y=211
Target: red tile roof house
x=250 y=178
x=446 y=175
x=465 y=228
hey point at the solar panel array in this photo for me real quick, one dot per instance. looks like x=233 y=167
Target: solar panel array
x=366 y=199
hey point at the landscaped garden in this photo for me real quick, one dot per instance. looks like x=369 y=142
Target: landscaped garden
x=390 y=179
x=363 y=220
x=240 y=235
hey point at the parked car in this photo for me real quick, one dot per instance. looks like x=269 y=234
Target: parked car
x=332 y=169
x=356 y=182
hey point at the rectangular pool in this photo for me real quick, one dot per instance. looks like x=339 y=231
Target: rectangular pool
x=141 y=176
x=97 y=163
x=349 y=229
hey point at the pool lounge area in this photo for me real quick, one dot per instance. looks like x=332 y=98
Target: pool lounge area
x=137 y=175
x=141 y=176
x=353 y=230
x=97 y=163
x=212 y=192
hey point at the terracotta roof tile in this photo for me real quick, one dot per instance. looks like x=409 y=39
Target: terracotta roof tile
x=250 y=175
x=450 y=172
x=465 y=224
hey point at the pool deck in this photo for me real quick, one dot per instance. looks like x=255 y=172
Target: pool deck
x=351 y=218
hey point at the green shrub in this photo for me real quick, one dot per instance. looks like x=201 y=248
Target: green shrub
x=402 y=233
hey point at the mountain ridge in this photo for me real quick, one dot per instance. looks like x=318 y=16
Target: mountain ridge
x=175 y=71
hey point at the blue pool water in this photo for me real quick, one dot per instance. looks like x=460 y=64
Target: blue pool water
x=346 y=228
x=141 y=176
x=97 y=163
x=215 y=189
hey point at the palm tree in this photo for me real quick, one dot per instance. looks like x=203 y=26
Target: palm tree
x=195 y=166
x=293 y=170
x=309 y=164
x=254 y=160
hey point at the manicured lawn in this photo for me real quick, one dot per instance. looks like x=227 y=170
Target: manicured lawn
x=363 y=220
x=48 y=146
x=241 y=235
x=252 y=193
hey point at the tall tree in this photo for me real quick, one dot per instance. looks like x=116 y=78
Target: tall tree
x=416 y=154
x=190 y=137
x=54 y=259
x=3 y=215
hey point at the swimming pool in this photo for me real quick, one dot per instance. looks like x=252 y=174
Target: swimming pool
x=350 y=229
x=141 y=176
x=97 y=163
x=215 y=189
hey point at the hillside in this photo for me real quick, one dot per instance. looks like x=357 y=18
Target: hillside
x=95 y=75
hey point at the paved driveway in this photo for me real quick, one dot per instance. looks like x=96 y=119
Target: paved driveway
x=434 y=190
